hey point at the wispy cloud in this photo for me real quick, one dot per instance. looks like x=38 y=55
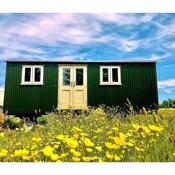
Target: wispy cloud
x=167 y=85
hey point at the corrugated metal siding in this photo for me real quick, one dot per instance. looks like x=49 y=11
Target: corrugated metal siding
x=27 y=99
x=139 y=85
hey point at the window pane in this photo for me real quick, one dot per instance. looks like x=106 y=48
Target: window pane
x=105 y=75
x=115 y=74
x=66 y=76
x=37 y=74
x=79 y=76
x=27 y=74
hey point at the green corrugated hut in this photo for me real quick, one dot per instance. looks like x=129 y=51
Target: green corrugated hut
x=32 y=86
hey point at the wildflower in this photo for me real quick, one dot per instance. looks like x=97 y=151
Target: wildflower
x=54 y=157
x=48 y=151
x=87 y=159
x=120 y=141
x=60 y=137
x=71 y=143
x=117 y=158
x=26 y=157
x=76 y=159
x=111 y=145
x=1 y=135
x=115 y=128
x=89 y=150
x=56 y=146
x=3 y=153
x=130 y=144
x=22 y=152
x=77 y=129
x=88 y=142
x=139 y=149
x=108 y=155
x=76 y=153
x=64 y=155
x=98 y=148
x=156 y=128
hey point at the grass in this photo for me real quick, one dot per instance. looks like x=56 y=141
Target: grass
x=96 y=136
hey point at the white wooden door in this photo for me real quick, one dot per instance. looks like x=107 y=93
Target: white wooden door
x=72 y=87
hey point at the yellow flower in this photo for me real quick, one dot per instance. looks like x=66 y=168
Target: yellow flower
x=130 y=144
x=76 y=153
x=122 y=136
x=48 y=151
x=156 y=128
x=139 y=149
x=120 y=141
x=83 y=134
x=56 y=146
x=77 y=129
x=98 y=148
x=71 y=143
x=88 y=142
x=64 y=154
x=115 y=128
x=117 y=158
x=89 y=150
x=111 y=145
x=76 y=159
x=54 y=157
x=22 y=152
x=109 y=156
x=61 y=137
x=26 y=157
x=3 y=152
x=36 y=139
x=1 y=135
x=87 y=159
x=34 y=154
x=33 y=147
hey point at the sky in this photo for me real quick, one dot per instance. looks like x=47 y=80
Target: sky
x=92 y=37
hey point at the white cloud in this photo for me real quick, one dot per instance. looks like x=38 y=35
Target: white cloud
x=167 y=85
x=128 y=45
x=158 y=57
x=124 y=19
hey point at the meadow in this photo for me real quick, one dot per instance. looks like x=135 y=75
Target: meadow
x=96 y=135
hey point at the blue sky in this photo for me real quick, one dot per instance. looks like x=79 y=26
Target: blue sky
x=93 y=36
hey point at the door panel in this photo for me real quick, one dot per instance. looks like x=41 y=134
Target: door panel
x=65 y=90
x=72 y=87
x=80 y=88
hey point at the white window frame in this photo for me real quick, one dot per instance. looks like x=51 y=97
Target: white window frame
x=119 y=75
x=101 y=75
x=110 y=82
x=32 y=77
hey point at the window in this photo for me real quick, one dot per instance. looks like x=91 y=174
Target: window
x=32 y=75
x=79 y=77
x=66 y=76
x=110 y=75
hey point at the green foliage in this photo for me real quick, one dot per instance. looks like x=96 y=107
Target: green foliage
x=42 y=120
x=12 y=122
x=170 y=103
